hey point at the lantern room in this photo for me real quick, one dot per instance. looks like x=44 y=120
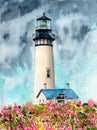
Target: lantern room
x=43 y=22
x=43 y=33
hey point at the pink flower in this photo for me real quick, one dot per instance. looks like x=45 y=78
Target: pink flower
x=79 y=103
x=32 y=124
x=91 y=102
x=27 y=128
x=69 y=128
x=49 y=128
x=29 y=105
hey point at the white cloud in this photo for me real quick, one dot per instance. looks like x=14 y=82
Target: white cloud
x=81 y=69
x=9 y=52
x=11 y=48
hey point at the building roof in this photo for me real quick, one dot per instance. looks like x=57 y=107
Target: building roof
x=53 y=93
x=43 y=17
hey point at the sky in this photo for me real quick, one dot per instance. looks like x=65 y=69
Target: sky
x=74 y=24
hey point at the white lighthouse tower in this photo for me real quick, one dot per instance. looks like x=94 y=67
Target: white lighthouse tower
x=44 y=61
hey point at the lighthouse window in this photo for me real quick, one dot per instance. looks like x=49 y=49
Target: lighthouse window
x=44 y=21
x=45 y=41
x=60 y=98
x=39 y=100
x=48 y=73
x=43 y=24
x=48 y=42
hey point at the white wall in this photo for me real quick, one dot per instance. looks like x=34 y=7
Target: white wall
x=43 y=61
x=41 y=99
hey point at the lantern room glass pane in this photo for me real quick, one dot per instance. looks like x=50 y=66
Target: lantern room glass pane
x=48 y=23
x=43 y=24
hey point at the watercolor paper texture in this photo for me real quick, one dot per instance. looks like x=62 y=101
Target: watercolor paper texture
x=75 y=47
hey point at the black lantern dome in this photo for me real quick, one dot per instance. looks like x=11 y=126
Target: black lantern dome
x=44 y=30
x=44 y=17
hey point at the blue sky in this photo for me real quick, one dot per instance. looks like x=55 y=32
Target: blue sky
x=75 y=49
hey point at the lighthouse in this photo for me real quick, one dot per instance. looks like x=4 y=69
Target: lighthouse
x=44 y=60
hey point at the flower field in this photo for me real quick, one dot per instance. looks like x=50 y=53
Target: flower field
x=68 y=116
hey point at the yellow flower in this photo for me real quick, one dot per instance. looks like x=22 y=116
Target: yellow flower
x=2 y=127
x=41 y=128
